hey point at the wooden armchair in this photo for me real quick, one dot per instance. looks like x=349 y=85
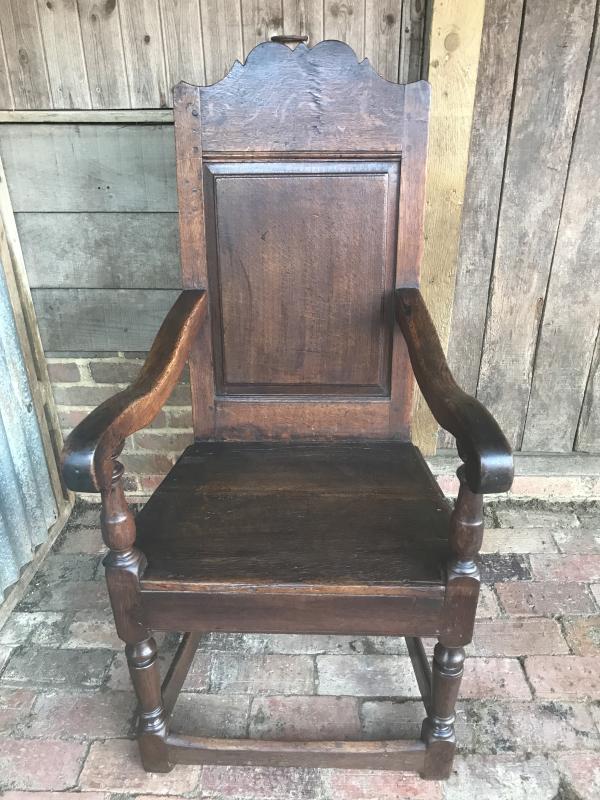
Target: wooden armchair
x=302 y=506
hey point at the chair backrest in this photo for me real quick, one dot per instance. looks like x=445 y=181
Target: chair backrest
x=300 y=179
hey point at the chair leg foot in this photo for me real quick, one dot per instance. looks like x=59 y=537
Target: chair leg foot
x=438 y=728
x=152 y=726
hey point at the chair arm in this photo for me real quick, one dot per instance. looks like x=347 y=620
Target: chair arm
x=480 y=442
x=87 y=456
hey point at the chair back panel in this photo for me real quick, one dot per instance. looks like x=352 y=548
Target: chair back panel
x=300 y=180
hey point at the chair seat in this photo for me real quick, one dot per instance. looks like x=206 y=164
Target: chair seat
x=325 y=515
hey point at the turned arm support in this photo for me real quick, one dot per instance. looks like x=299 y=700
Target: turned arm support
x=87 y=457
x=488 y=462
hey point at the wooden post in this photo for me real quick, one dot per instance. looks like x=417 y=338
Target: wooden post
x=455 y=39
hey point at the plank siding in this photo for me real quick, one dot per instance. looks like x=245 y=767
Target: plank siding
x=261 y=19
x=552 y=63
x=63 y=47
x=90 y=167
x=346 y=21
x=383 y=22
x=144 y=56
x=182 y=37
x=489 y=132
x=100 y=251
x=567 y=335
x=24 y=50
x=222 y=32
x=304 y=17
x=103 y=51
x=100 y=320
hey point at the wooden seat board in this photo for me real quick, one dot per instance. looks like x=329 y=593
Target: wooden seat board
x=282 y=514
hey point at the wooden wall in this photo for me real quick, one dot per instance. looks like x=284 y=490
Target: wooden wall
x=96 y=207
x=104 y=54
x=527 y=299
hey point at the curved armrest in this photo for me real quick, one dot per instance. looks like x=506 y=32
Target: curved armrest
x=481 y=444
x=87 y=457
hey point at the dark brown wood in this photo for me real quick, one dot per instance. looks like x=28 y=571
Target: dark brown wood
x=481 y=444
x=304 y=507
x=395 y=754
x=412 y=613
x=293 y=147
x=178 y=670
x=421 y=668
x=438 y=728
x=304 y=515
x=89 y=449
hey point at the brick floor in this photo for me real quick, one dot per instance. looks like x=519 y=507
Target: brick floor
x=528 y=718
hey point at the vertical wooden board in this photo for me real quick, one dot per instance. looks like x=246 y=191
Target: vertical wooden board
x=453 y=61
x=182 y=35
x=144 y=58
x=412 y=35
x=383 y=23
x=6 y=96
x=25 y=53
x=61 y=33
x=491 y=115
x=552 y=63
x=588 y=433
x=346 y=22
x=572 y=310
x=261 y=19
x=103 y=51
x=90 y=167
x=304 y=17
x=222 y=37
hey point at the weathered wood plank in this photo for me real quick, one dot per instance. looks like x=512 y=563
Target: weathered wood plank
x=304 y=17
x=261 y=19
x=100 y=320
x=412 y=35
x=102 y=251
x=144 y=59
x=90 y=167
x=222 y=36
x=588 y=434
x=95 y=115
x=552 y=62
x=383 y=22
x=566 y=342
x=61 y=34
x=6 y=95
x=25 y=54
x=346 y=21
x=491 y=115
x=182 y=36
x=453 y=61
x=103 y=51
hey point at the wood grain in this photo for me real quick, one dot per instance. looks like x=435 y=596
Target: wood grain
x=182 y=36
x=103 y=51
x=553 y=55
x=261 y=19
x=90 y=168
x=588 y=432
x=346 y=22
x=61 y=34
x=222 y=36
x=25 y=54
x=489 y=135
x=453 y=61
x=144 y=58
x=412 y=41
x=304 y=17
x=100 y=250
x=383 y=22
x=100 y=320
x=567 y=335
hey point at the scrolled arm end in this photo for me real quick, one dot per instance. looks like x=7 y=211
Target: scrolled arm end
x=487 y=456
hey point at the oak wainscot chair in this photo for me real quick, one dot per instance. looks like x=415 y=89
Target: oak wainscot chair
x=302 y=506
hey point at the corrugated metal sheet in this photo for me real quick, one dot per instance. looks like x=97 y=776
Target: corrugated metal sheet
x=27 y=505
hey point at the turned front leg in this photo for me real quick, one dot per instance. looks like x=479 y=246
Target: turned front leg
x=124 y=565
x=438 y=727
